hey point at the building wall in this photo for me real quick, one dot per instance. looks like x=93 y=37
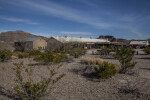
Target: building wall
x=28 y=46
x=53 y=44
x=39 y=44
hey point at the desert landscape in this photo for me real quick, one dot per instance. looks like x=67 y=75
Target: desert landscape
x=80 y=84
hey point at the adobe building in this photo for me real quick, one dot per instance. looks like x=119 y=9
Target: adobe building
x=35 y=43
x=53 y=44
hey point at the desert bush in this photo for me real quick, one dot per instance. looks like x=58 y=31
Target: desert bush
x=34 y=53
x=76 y=52
x=30 y=90
x=5 y=55
x=21 y=55
x=147 y=50
x=91 y=61
x=125 y=56
x=50 y=57
x=58 y=57
x=44 y=57
x=105 y=70
x=106 y=50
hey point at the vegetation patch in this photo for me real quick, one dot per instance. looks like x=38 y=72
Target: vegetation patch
x=125 y=56
x=30 y=90
x=21 y=55
x=147 y=50
x=50 y=57
x=5 y=55
x=91 y=61
x=105 y=70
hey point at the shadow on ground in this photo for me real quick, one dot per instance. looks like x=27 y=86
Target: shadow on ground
x=145 y=68
x=148 y=58
x=87 y=72
x=9 y=94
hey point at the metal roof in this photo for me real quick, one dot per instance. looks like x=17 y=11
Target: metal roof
x=81 y=40
x=30 y=39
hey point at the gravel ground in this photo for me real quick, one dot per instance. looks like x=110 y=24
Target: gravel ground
x=79 y=84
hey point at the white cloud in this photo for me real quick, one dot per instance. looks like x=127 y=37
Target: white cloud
x=17 y=20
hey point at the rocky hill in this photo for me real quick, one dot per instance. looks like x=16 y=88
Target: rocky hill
x=12 y=36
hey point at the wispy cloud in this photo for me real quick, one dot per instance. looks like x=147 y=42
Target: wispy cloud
x=89 y=3
x=67 y=13
x=17 y=20
x=107 y=19
x=75 y=33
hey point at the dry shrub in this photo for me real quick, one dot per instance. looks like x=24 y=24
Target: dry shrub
x=91 y=61
x=20 y=55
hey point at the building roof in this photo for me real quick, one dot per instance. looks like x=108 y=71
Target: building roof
x=30 y=39
x=81 y=40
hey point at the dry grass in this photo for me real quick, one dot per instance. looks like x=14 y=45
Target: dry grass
x=91 y=61
x=95 y=61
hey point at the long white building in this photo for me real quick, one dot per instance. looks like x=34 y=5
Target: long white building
x=80 y=40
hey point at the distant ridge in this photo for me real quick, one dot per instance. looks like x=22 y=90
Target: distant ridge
x=12 y=36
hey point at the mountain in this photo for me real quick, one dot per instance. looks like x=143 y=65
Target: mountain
x=12 y=36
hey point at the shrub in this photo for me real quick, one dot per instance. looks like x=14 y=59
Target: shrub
x=105 y=70
x=21 y=55
x=125 y=56
x=50 y=57
x=87 y=60
x=5 y=55
x=147 y=50
x=76 y=52
x=34 y=53
x=44 y=57
x=28 y=89
x=106 y=50
x=58 y=57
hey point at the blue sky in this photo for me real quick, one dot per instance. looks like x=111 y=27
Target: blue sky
x=129 y=19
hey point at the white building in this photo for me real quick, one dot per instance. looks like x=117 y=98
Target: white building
x=139 y=42
x=80 y=40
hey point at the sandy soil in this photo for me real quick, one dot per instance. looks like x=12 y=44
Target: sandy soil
x=79 y=84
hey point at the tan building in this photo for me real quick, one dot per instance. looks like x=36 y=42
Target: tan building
x=35 y=43
x=53 y=44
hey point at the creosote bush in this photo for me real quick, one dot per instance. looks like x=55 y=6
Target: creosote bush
x=21 y=55
x=105 y=70
x=125 y=56
x=106 y=50
x=34 y=53
x=30 y=90
x=76 y=52
x=147 y=50
x=50 y=57
x=5 y=55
